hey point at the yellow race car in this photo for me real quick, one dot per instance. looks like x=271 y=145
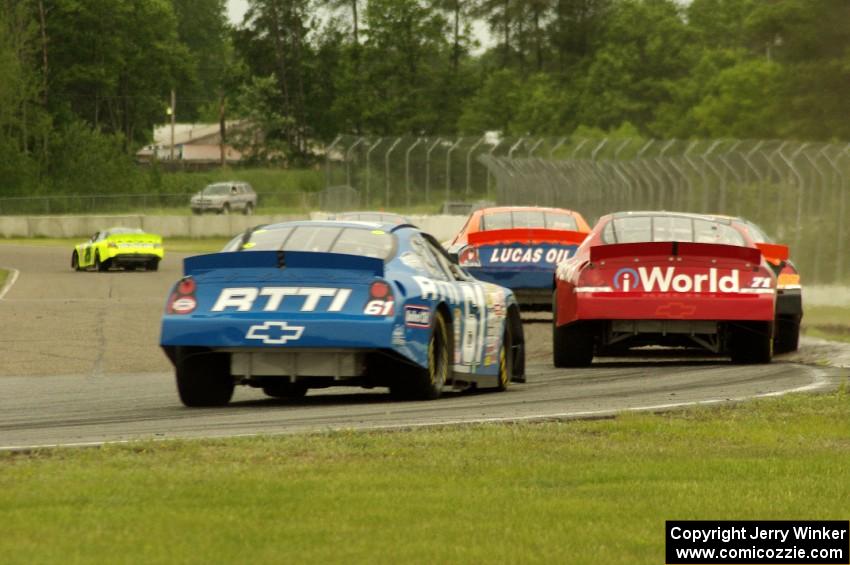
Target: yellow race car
x=128 y=248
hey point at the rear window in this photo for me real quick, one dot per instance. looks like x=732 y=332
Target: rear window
x=756 y=234
x=637 y=229
x=528 y=219
x=217 y=189
x=371 y=217
x=117 y=231
x=323 y=239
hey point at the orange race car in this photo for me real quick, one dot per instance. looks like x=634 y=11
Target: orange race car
x=519 y=247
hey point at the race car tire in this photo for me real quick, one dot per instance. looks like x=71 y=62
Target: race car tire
x=514 y=324
x=203 y=379
x=506 y=361
x=427 y=383
x=153 y=265
x=285 y=389
x=751 y=343
x=787 y=337
x=572 y=345
x=75 y=262
x=99 y=265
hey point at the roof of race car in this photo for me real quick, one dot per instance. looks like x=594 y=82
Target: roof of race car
x=117 y=230
x=515 y=208
x=666 y=213
x=385 y=226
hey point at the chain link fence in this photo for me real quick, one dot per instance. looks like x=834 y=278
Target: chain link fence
x=796 y=191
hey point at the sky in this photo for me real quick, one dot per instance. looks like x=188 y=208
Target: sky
x=237 y=8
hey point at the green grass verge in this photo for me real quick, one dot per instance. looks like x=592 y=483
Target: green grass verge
x=572 y=492
x=828 y=322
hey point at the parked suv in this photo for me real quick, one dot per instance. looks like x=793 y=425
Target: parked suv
x=224 y=198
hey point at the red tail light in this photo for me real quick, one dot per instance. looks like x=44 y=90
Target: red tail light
x=788 y=278
x=381 y=300
x=182 y=300
x=469 y=258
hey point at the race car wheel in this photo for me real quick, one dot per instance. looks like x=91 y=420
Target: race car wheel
x=572 y=345
x=153 y=265
x=751 y=342
x=203 y=379
x=506 y=361
x=75 y=261
x=787 y=336
x=100 y=265
x=427 y=384
x=285 y=389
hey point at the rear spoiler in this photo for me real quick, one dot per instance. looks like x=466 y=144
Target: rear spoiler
x=281 y=260
x=774 y=251
x=526 y=235
x=675 y=248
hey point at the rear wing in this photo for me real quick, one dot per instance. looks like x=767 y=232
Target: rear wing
x=526 y=235
x=281 y=260
x=773 y=251
x=675 y=248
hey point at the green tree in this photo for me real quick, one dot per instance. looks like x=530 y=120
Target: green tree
x=493 y=106
x=113 y=63
x=404 y=64
x=202 y=27
x=645 y=50
x=811 y=40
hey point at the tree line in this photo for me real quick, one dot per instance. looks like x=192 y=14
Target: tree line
x=82 y=82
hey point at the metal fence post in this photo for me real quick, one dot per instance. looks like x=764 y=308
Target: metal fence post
x=449 y=168
x=387 y=172
x=369 y=170
x=428 y=171
x=348 y=160
x=469 y=165
x=328 y=161
x=407 y=170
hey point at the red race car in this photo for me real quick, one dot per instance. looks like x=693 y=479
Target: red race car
x=664 y=278
x=519 y=247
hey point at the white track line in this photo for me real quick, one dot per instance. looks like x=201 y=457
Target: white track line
x=819 y=381
x=10 y=280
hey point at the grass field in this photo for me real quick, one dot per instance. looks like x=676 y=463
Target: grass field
x=3 y=274
x=829 y=322
x=571 y=492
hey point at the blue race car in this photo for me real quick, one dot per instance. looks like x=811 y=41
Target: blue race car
x=298 y=305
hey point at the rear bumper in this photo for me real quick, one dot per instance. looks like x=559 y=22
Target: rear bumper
x=658 y=306
x=789 y=302
x=135 y=258
x=262 y=333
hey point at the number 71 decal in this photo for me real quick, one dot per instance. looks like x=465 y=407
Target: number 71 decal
x=760 y=282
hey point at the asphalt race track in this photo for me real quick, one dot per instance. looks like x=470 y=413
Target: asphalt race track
x=80 y=365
